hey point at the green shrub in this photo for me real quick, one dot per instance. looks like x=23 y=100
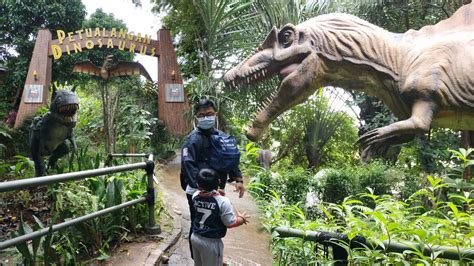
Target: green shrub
x=162 y=143
x=379 y=177
x=292 y=184
x=337 y=184
x=134 y=129
x=15 y=141
x=5 y=137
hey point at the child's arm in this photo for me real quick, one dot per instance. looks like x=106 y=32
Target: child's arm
x=242 y=218
x=232 y=218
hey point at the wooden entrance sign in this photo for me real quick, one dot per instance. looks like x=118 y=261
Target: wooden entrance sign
x=172 y=101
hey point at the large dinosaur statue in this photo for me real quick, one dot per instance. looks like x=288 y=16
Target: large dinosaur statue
x=48 y=133
x=425 y=77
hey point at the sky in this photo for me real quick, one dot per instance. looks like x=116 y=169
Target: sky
x=138 y=19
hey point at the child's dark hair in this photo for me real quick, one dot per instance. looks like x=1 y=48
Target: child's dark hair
x=207 y=179
x=204 y=103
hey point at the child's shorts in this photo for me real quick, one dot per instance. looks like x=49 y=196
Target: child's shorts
x=207 y=251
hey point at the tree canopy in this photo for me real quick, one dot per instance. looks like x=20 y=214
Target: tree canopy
x=19 y=24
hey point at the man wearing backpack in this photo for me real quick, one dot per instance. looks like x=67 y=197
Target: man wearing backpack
x=208 y=147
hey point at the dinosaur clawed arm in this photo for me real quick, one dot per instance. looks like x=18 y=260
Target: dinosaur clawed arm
x=72 y=139
x=401 y=131
x=380 y=135
x=381 y=147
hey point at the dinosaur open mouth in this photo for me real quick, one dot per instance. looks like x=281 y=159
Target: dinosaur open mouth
x=292 y=65
x=254 y=75
x=265 y=70
x=68 y=111
x=288 y=69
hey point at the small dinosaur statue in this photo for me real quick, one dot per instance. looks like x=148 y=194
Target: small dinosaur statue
x=425 y=77
x=265 y=158
x=49 y=132
x=122 y=68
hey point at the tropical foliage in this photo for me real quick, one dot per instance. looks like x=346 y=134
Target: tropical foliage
x=359 y=202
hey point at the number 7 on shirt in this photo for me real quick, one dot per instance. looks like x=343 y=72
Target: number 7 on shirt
x=205 y=214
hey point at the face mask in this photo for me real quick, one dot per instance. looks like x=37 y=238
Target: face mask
x=206 y=122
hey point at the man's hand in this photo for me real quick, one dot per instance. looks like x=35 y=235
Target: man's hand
x=239 y=187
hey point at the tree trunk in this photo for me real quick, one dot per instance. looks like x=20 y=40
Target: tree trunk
x=105 y=113
x=110 y=108
x=467 y=141
x=314 y=156
x=312 y=145
x=132 y=147
x=113 y=117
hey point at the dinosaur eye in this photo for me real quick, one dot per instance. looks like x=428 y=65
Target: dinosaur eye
x=286 y=37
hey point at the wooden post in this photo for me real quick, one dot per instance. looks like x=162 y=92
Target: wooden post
x=36 y=89
x=172 y=101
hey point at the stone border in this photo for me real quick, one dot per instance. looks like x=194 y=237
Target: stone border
x=154 y=257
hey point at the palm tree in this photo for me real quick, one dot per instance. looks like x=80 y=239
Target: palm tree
x=323 y=121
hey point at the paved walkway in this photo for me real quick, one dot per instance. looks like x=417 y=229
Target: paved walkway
x=244 y=245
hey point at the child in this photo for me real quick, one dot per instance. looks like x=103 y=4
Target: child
x=214 y=214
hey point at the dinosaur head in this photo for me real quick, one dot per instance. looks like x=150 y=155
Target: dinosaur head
x=64 y=105
x=288 y=53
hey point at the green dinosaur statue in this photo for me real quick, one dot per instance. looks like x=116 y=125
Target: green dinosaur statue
x=425 y=77
x=49 y=132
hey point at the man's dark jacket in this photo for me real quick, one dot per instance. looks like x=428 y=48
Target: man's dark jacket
x=195 y=154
